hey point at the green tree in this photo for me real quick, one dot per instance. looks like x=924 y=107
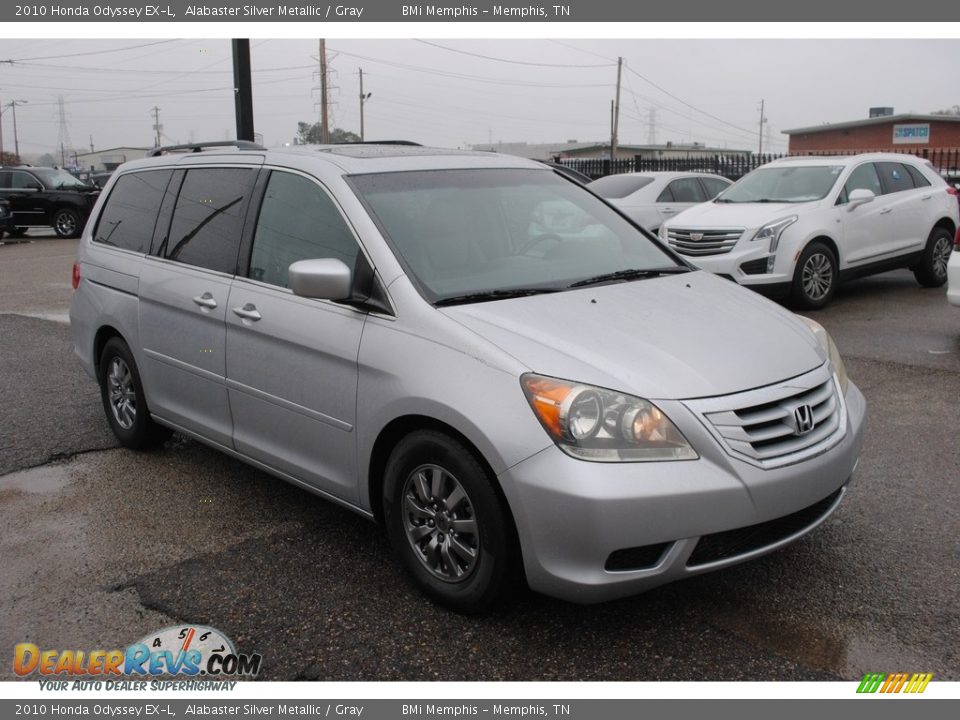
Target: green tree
x=308 y=134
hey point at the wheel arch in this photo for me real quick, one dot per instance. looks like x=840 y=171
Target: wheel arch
x=947 y=224
x=100 y=340
x=400 y=427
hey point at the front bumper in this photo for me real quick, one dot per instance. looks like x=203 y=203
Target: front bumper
x=572 y=515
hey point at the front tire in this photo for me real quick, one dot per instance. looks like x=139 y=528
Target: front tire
x=932 y=270
x=66 y=223
x=123 y=400
x=447 y=522
x=816 y=277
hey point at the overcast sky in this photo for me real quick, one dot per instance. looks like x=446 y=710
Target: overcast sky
x=467 y=91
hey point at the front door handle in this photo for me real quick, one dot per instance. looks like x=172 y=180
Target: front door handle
x=885 y=211
x=205 y=301
x=668 y=211
x=248 y=312
x=926 y=197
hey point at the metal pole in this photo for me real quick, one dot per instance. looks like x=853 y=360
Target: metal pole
x=760 y=147
x=16 y=140
x=324 y=129
x=616 y=114
x=243 y=89
x=1 y=133
x=362 y=101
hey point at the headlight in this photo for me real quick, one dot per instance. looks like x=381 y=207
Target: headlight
x=592 y=423
x=826 y=342
x=772 y=231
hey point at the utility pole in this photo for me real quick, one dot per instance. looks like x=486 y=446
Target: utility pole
x=1 y=132
x=243 y=87
x=324 y=128
x=16 y=140
x=91 y=143
x=156 y=124
x=363 y=101
x=616 y=114
x=760 y=133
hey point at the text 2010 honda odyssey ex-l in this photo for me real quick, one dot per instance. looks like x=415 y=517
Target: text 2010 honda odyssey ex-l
x=469 y=348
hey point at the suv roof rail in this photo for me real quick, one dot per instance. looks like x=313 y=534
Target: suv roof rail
x=198 y=147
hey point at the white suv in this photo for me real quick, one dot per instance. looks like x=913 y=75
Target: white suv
x=797 y=226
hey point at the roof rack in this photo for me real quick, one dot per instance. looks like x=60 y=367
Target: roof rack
x=198 y=147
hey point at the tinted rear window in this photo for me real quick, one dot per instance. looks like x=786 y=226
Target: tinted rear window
x=208 y=218
x=130 y=213
x=619 y=186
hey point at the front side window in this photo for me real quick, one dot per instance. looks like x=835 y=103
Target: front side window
x=863 y=177
x=462 y=232
x=783 y=183
x=297 y=221
x=208 y=218
x=23 y=181
x=130 y=213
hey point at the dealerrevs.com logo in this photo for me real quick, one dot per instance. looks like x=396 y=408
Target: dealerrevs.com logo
x=180 y=651
x=895 y=683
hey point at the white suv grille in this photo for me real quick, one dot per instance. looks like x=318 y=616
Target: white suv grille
x=780 y=424
x=703 y=242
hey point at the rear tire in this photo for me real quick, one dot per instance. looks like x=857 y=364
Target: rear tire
x=447 y=522
x=123 y=400
x=816 y=277
x=66 y=223
x=931 y=271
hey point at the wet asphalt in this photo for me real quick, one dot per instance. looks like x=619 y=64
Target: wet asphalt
x=100 y=546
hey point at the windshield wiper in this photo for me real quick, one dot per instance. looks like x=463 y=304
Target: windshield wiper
x=631 y=274
x=488 y=295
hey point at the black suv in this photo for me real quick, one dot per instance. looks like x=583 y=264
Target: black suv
x=46 y=197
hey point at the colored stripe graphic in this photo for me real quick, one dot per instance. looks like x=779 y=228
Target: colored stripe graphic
x=894 y=683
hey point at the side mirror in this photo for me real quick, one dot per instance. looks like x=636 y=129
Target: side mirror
x=324 y=279
x=859 y=197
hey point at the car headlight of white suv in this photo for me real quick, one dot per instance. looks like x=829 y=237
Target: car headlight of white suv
x=772 y=231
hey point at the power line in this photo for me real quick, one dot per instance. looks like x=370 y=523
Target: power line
x=684 y=102
x=90 y=52
x=474 y=78
x=505 y=60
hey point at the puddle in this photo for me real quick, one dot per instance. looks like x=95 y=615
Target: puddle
x=43 y=479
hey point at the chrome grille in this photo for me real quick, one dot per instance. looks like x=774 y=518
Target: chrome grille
x=763 y=427
x=703 y=242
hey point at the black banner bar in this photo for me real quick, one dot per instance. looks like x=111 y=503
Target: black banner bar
x=731 y=11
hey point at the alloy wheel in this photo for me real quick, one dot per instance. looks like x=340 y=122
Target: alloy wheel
x=121 y=393
x=440 y=523
x=817 y=276
x=941 y=256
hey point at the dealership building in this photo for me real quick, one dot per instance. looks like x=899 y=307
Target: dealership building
x=882 y=132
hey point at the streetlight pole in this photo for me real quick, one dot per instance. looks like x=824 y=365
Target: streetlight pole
x=363 y=101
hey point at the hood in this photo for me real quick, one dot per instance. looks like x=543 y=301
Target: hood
x=674 y=337
x=746 y=215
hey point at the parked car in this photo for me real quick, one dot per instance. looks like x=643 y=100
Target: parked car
x=46 y=197
x=798 y=226
x=650 y=198
x=953 y=274
x=481 y=355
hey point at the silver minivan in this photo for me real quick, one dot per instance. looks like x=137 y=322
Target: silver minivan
x=482 y=355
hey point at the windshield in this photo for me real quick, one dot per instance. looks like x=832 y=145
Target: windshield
x=461 y=232
x=61 y=180
x=783 y=184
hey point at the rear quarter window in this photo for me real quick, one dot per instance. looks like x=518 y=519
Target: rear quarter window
x=130 y=212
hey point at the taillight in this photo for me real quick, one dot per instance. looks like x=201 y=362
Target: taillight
x=952 y=190
x=76 y=275
x=956 y=240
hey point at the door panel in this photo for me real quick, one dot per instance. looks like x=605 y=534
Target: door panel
x=184 y=339
x=292 y=383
